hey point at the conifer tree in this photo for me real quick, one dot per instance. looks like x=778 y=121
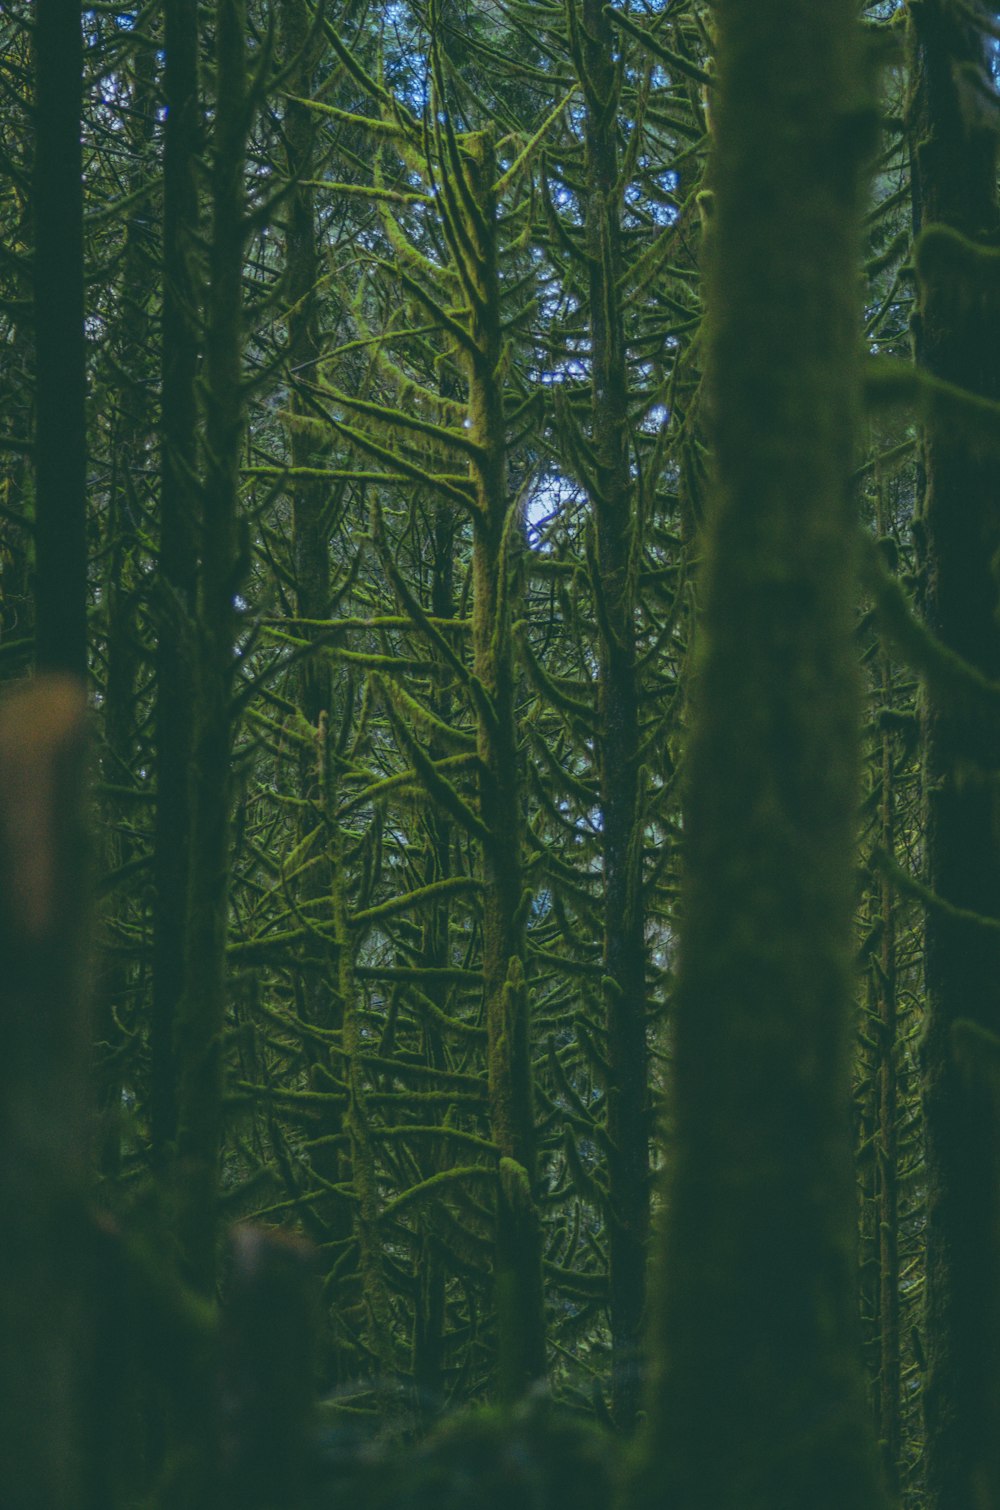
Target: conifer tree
x=759 y=1401
x=60 y=425
x=177 y=567
x=200 y=1014
x=952 y=131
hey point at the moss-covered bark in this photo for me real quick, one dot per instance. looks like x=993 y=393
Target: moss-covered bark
x=759 y=1401
x=429 y=1312
x=131 y=422
x=886 y=987
x=518 y=1263
x=199 y=1023
x=957 y=338
x=309 y=495
x=613 y=502
x=177 y=567
x=322 y=881
x=60 y=436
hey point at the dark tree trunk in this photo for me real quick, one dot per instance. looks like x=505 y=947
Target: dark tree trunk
x=131 y=401
x=199 y=1025
x=430 y=1305
x=518 y=1260
x=887 y=1136
x=178 y=558
x=60 y=420
x=44 y=1316
x=622 y=831
x=759 y=1402
x=953 y=149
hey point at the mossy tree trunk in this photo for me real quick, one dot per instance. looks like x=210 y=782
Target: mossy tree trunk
x=60 y=360
x=518 y=1261
x=884 y=972
x=310 y=496
x=429 y=1310
x=130 y=403
x=953 y=150
x=613 y=502
x=200 y=1014
x=177 y=576
x=44 y=1312
x=312 y=509
x=759 y=1403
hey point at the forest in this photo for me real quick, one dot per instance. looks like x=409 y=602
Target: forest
x=500 y=755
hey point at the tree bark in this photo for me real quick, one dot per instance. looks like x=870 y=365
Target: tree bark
x=518 y=1261
x=957 y=338
x=44 y=1317
x=624 y=951
x=199 y=1023
x=759 y=1403
x=178 y=559
x=60 y=354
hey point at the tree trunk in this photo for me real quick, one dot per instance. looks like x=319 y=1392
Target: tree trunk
x=178 y=559
x=44 y=1316
x=624 y=949
x=759 y=1402
x=200 y=1015
x=60 y=357
x=132 y=418
x=518 y=1263
x=958 y=339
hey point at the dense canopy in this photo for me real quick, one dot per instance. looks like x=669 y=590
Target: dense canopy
x=499 y=861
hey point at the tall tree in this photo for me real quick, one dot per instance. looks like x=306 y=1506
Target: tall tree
x=618 y=556
x=952 y=128
x=43 y=1106
x=60 y=423
x=180 y=349
x=759 y=1400
x=200 y=1018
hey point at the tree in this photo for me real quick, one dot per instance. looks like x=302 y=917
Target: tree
x=177 y=566
x=200 y=1013
x=60 y=427
x=957 y=327
x=759 y=1399
x=390 y=659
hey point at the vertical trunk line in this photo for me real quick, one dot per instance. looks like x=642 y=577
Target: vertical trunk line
x=624 y=951
x=177 y=574
x=60 y=355
x=518 y=1277
x=200 y=1017
x=957 y=338
x=760 y=1401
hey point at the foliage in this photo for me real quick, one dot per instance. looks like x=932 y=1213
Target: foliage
x=399 y=468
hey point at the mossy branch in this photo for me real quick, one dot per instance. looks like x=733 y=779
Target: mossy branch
x=438 y=1184
x=672 y=60
x=421 y=896
x=440 y=788
x=952 y=677
x=434 y=727
x=575 y=708
x=456 y=488
x=942 y=406
x=376 y=125
x=398 y=419
x=910 y=886
x=526 y=154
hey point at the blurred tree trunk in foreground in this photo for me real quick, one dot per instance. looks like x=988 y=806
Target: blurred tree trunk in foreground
x=43 y=1104
x=953 y=147
x=760 y=1402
